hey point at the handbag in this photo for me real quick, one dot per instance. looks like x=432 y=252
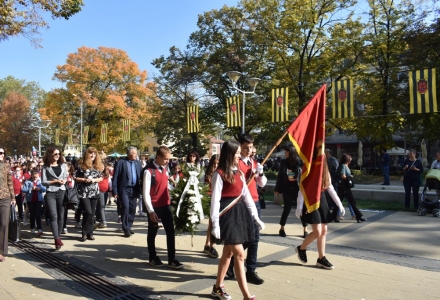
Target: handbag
x=350 y=182
x=14 y=230
x=71 y=196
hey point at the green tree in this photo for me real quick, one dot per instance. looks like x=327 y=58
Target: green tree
x=25 y=17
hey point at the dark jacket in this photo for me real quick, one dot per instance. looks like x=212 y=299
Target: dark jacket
x=282 y=174
x=122 y=175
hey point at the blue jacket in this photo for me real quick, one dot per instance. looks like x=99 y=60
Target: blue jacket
x=27 y=188
x=122 y=175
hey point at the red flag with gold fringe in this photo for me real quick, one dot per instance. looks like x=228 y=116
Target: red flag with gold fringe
x=307 y=134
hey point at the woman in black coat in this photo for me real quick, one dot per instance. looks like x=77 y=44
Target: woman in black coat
x=289 y=176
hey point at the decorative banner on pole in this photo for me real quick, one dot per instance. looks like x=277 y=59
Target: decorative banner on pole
x=233 y=114
x=86 y=135
x=422 y=91
x=193 y=118
x=104 y=133
x=307 y=133
x=57 y=136
x=280 y=101
x=343 y=99
x=126 y=130
x=70 y=136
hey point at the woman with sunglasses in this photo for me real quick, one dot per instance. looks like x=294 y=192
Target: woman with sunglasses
x=87 y=175
x=193 y=161
x=7 y=199
x=54 y=175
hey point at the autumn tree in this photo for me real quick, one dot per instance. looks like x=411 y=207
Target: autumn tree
x=110 y=87
x=16 y=131
x=26 y=17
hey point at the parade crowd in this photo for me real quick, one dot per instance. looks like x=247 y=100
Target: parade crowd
x=41 y=189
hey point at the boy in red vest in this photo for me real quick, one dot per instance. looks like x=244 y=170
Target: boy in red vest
x=249 y=167
x=158 y=203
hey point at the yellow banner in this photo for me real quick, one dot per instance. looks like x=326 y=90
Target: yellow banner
x=104 y=128
x=233 y=116
x=193 y=118
x=86 y=135
x=57 y=136
x=126 y=130
x=70 y=137
x=343 y=99
x=422 y=91
x=280 y=105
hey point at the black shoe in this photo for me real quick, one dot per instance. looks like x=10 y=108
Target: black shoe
x=90 y=237
x=282 y=233
x=83 y=238
x=336 y=221
x=305 y=234
x=156 y=262
x=230 y=272
x=302 y=255
x=175 y=264
x=252 y=277
x=361 y=220
x=324 y=263
x=127 y=233
x=131 y=231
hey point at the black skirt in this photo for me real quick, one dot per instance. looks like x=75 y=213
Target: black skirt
x=236 y=225
x=320 y=216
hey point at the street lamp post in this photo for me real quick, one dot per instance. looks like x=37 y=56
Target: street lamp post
x=81 y=130
x=40 y=126
x=234 y=76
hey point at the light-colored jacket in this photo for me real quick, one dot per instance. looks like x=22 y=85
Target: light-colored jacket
x=27 y=188
x=48 y=175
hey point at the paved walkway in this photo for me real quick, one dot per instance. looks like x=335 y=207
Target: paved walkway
x=394 y=255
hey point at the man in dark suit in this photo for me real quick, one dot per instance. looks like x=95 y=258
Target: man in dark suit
x=126 y=188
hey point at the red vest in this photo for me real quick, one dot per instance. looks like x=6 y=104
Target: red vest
x=159 y=190
x=17 y=183
x=231 y=190
x=247 y=171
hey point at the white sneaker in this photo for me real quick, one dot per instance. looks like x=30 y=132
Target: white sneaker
x=64 y=231
x=25 y=223
x=141 y=214
x=32 y=230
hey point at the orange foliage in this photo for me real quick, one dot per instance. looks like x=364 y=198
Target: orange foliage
x=16 y=132
x=111 y=87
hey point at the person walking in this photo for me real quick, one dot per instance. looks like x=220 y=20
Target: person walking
x=318 y=219
x=18 y=180
x=88 y=174
x=287 y=184
x=411 y=178
x=253 y=174
x=7 y=199
x=34 y=190
x=209 y=242
x=233 y=215
x=385 y=167
x=158 y=203
x=344 y=189
x=436 y=165
x=125 y=187
x=54 y=177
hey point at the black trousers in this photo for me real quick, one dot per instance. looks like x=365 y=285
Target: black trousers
x=346 y=192
x=290 y=195
x=165 y=215
x=89 y=207
x=35 y=214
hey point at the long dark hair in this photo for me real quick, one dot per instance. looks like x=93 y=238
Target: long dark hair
x=345 y=159
x=210 y=168
x=226 y=161
x=293 y=155
x=48 y=157
x=196 y=154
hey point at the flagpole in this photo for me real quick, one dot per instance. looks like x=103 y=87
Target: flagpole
x=277 y=143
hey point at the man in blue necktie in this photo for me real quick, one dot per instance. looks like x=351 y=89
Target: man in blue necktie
x=126 y=188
